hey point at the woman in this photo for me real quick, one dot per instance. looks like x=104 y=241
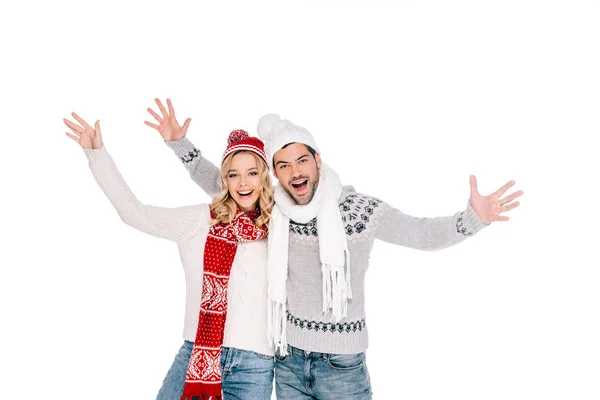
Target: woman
x=225 y=350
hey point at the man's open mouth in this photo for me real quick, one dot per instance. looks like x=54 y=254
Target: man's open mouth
x=300 y=185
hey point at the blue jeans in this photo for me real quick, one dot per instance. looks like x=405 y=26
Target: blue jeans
x=246 y=375
x=322 y=376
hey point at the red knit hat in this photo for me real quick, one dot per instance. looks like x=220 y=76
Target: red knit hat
x=240 y=141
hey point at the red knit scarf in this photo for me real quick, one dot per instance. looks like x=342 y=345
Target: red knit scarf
x=203 y=376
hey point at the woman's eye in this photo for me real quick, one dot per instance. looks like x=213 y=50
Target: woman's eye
x=253 y=173
x=232 y=176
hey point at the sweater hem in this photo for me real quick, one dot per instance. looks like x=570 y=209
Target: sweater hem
x=328 y=342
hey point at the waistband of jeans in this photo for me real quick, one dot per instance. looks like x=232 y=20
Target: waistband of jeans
x=314 y=354
x=306 y=354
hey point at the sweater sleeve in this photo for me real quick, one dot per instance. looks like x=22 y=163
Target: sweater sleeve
x=427 y=233
x=203 y=172
x=168 y=223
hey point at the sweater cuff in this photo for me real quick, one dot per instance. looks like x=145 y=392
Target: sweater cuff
x=184 y=149
x=468 y=222
x=95 y=155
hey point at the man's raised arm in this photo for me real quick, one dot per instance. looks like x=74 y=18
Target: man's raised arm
x=202 y=171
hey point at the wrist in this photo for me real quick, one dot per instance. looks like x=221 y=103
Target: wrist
x=183 y=148
x=468 y=222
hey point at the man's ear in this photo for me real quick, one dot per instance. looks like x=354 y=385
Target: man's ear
x=275 y=172
x=318 y=160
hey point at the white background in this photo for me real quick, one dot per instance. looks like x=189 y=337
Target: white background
x=405 y=100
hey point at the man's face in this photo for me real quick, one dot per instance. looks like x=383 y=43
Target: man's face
x=297 y=171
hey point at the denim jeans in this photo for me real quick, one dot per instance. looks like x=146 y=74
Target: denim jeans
x=322 y=376
x=246 y=375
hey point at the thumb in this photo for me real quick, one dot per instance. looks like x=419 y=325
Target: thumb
x=186 y=124
x=473 y=184
x=97 y=135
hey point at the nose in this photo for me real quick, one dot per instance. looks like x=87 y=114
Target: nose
x=295 y=171
x=242 y=181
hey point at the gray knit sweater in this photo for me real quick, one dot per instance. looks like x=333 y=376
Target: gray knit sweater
x=365 y=219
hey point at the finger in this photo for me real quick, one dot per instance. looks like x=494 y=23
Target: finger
x=508 y=207
x=73 y=126
x=81 y=121
x=186 y=124
x=155 y=115
x=171 y=109
x=162 y=108
x=501 y=218
x=511 y=197
x=503 y=189
x=473 y=184
x=151 y=125
x=76 y=133
x=75 y=138
x=97 y=128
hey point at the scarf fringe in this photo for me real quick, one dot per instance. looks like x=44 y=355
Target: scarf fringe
x=277 y=327
x=337 y=289
x=202 y=392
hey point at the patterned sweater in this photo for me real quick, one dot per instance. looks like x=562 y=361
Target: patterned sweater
x=365 y=219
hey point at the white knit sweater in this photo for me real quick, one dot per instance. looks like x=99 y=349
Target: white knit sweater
x=246 y=323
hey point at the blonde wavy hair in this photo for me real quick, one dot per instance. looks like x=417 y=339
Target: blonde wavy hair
x=223 y=205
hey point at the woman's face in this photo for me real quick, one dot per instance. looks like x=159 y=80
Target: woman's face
x=243 y=181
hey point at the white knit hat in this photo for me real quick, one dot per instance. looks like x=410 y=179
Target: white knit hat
x=277 y=132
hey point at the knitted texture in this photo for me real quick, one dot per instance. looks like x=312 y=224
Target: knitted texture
x=365 y=218
x=203 y=376
x=277 y=132
x=188 y=227
x=239 y=140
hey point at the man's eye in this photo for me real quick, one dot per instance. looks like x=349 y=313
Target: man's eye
x=303 y=161
x=282 y=166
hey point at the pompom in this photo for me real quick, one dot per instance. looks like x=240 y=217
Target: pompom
x=266 y=124
x=237 y=135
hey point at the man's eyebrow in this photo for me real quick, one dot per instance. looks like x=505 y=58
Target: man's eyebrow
x=297 y=159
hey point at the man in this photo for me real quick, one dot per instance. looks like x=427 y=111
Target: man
x=319 y=245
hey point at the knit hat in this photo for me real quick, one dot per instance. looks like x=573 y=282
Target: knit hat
x=240 y=141
x=276 y=133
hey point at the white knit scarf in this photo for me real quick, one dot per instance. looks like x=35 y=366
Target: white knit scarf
x=333 y=251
